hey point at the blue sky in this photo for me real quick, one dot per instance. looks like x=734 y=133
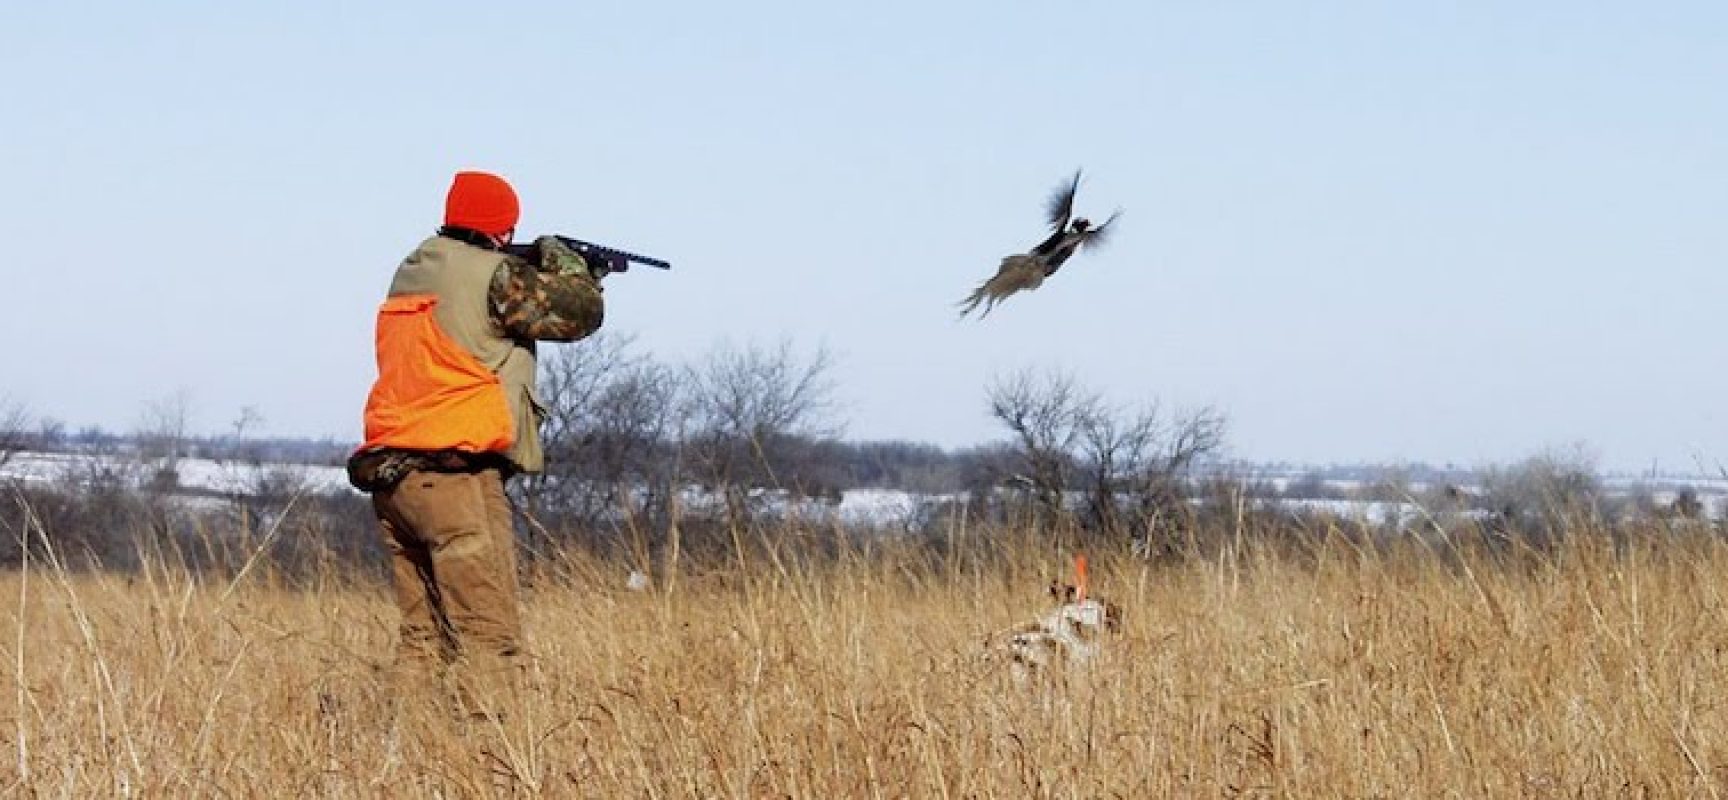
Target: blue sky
x=1456 y=232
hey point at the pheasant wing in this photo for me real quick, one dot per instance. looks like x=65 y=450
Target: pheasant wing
x=1060 y=207
x=1100 y=236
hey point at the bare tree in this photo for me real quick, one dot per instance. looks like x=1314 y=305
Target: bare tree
x=243 y=427
x=1137 y=463
x=14 y=430
x=606 y=413
x=162 y=436
x=1044 y=414
x=50 y=434
x=1116 y=449
x=749 y=408
x=633 y=443
x=1128 y=462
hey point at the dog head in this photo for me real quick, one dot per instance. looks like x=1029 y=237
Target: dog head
x=1087 y=615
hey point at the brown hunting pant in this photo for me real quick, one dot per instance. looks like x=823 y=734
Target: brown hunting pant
x=453 y=563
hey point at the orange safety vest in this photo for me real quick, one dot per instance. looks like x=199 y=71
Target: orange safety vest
x=432 y=394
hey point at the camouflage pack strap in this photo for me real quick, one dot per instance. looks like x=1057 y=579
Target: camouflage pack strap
x=378 y=470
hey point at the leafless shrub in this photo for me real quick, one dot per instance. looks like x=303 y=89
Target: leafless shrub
x=1686 y=505
x=1542 y=497
x=1311 y=485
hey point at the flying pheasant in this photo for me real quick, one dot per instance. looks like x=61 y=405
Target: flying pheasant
x=1028 y=270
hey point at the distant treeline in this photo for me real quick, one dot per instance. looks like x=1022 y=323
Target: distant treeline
x=263 y=450
x=695 y=457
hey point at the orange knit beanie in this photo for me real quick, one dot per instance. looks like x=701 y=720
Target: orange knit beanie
x=482 y=202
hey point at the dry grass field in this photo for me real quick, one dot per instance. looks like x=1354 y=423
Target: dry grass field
x=1322 y=669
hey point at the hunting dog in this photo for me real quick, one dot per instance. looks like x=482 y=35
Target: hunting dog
x=1071 y=635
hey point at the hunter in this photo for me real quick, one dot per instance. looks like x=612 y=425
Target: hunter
x=453 y=415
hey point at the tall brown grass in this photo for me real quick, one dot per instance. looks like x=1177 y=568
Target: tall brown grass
x=1314 y=666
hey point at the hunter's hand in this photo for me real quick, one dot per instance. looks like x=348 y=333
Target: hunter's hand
x=558 y=258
